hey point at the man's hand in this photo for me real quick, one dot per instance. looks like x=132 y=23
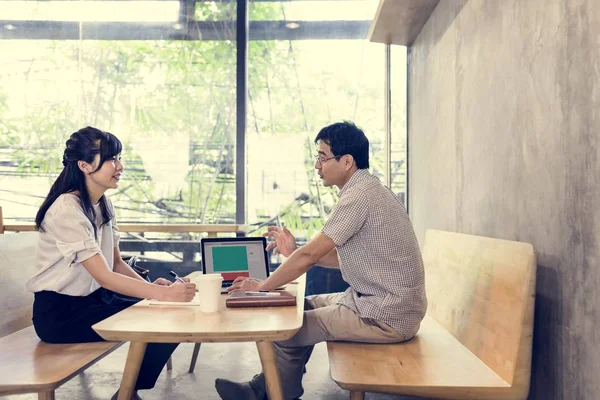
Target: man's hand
x=245 y=284
x=285 y=242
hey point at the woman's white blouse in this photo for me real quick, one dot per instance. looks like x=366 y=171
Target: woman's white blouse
x=66 y=240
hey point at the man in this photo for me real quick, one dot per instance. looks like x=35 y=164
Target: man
x=370 y=238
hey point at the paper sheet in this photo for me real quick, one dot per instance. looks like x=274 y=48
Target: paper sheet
x=172 y=303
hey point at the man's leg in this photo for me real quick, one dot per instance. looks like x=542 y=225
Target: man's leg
x=327 y=321
x=292 y=354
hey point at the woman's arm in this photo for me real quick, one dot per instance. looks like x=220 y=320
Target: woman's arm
x=121 y=267
x=123 y=284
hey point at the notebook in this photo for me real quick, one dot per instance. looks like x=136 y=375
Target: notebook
x=247 y=299
x=233 y=257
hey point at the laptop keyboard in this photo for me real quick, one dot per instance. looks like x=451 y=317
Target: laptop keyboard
x=226 y=284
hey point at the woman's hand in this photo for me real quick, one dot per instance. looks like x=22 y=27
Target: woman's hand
x=166 y=282
x=245 y=284
x=179 y=292
x=162 y=282
x=285 y=242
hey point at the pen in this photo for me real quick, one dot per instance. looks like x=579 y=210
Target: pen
x=263 y=294
x=174 y=275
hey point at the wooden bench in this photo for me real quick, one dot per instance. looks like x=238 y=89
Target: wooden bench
x=28 y=365
x=475 y=342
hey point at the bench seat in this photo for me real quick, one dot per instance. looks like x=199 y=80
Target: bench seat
x=36 y=366
x=432 y=364
x=474 y=343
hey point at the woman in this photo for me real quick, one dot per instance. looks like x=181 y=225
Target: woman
x=79 y=265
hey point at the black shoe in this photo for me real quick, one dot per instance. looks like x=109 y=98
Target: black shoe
x=229 y=390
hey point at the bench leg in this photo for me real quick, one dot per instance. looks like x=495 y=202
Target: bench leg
x=170 y=364
x=46 y=395
x=354 y=395
x=194 y=357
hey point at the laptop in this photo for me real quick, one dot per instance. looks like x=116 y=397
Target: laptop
x=233 y=257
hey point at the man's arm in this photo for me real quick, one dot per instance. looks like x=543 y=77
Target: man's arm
x=285 y=244
x=330 y=260
x=300 y=261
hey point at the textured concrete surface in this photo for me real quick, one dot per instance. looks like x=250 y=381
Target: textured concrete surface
x=504 y=113
x=238 y=361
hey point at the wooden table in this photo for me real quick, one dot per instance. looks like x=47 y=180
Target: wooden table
x=144 y=323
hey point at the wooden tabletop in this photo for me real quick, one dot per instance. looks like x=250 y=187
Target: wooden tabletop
x=176 y=324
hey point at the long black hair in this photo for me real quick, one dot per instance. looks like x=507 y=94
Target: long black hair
x=83 y=145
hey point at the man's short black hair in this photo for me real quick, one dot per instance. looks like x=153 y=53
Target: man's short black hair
x=346 y=138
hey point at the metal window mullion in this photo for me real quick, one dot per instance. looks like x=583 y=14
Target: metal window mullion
x=407 y=147
x=388 y=118
x=242 y=25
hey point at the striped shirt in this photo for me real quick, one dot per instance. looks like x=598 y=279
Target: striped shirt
x=379 y=254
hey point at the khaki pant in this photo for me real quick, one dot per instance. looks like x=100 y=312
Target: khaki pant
x=324 y=320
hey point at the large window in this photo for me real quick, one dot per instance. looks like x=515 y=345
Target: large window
x=398 y=143
x=161 y=75
x=171 y=102
x=296 y=87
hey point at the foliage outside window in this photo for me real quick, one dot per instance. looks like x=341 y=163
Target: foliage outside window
x=173 y=104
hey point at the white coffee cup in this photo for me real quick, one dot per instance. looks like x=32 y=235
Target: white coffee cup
x=209 y=292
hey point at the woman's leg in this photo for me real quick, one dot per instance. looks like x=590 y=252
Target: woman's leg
x=69 y=319
x=59 y=318
x=155 y=358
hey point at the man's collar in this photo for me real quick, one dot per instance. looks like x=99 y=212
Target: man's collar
x=357 y=176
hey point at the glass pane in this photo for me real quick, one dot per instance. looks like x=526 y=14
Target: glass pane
x=147 y=11
x=398 y=151
x=337 y=10
x=296 y=88
x=219 y=10
x=172 y=104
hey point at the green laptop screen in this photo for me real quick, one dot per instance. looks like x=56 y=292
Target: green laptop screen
x=230 y=258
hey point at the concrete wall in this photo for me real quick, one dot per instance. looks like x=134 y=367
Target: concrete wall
x=504 y=111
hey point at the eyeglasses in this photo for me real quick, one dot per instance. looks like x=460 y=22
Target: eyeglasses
x=321 y=159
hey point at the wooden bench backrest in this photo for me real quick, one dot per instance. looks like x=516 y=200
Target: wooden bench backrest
x=482 y=291
x=17 y=265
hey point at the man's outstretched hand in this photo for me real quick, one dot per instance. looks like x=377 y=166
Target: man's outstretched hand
x=284 y=243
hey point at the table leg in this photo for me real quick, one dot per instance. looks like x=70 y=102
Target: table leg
x=194 y=357
x=266 y=351
x=46 y=395
x=132 y=369
x=354 y=395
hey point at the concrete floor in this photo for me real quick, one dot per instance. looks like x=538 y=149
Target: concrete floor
x=236 y=361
